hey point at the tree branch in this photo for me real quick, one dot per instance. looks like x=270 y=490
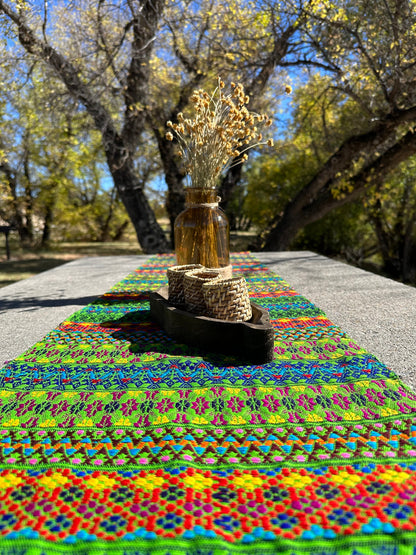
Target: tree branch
x=368 y=176
x=144 y=25
x=65 y=70
x=280 y=47
x=351 y=149
x=110 y=55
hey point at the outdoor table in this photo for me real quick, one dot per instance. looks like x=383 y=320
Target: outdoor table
x=116 y=439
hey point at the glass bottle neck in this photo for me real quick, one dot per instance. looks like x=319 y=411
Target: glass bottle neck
x=202 y=197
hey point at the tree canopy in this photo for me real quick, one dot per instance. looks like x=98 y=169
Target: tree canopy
x=115 y=72
x=365 y=51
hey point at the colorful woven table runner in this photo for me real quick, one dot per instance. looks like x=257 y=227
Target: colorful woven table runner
x=115 y=439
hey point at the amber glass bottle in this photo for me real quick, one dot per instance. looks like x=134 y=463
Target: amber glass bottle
x=202 y=230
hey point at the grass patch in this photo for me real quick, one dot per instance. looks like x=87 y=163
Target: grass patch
x=25 y=263
x=98 y=249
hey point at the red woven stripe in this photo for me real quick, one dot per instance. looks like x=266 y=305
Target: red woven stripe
x=301 y=322
x=91 y=327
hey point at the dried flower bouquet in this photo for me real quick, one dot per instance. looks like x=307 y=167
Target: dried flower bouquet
x=219 y=135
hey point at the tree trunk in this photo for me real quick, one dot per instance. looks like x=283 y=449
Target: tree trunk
x=231 y=178
x=105 y=225
x=390 y=250
x=409 y=261
x=46 y=231
x=255 y=89
x=118 y=234
x=284 y=231
x=175 y=204
x=149 y=233
x=17 y=219
x=174 y=177
x=119 y=147
x=28 y=192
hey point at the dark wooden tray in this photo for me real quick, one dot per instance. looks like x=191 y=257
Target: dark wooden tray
x=251 y=341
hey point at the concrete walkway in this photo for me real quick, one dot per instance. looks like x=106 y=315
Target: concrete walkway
x=380 y=314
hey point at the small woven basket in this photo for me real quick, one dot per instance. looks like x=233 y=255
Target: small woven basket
x=225 y=271
x=227 y=299
x=192 y=288
x=175 y=279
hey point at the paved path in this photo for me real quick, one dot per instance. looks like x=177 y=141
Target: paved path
x=380 y=314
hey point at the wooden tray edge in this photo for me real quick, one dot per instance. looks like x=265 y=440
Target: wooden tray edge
x=251 y=341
